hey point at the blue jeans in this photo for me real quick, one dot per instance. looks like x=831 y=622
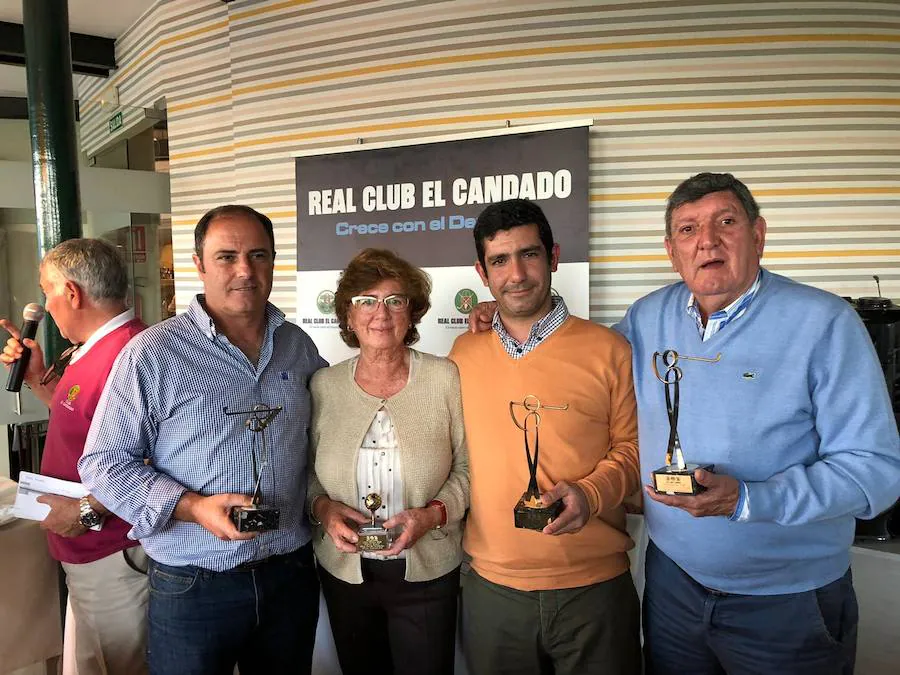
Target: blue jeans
x=692 y=630
x=261 y=617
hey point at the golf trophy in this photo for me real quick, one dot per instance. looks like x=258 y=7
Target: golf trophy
x=373 y=536
x=256 y=517
x=530 y=512
x=677 y=476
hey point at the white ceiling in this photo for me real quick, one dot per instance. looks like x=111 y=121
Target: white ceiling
x=92 y=17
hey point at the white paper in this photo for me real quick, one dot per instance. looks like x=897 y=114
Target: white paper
x=33 y=485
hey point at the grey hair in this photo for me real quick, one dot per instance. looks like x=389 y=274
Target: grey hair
x=697 y=187
x=95 y=265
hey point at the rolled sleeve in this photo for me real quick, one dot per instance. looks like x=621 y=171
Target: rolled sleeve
x=121 y=436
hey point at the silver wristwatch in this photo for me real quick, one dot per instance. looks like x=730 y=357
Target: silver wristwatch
x=89 y=518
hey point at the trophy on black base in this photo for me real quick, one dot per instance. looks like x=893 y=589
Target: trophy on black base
x=372 y=536
x=676 y=477
x=256 y=517
x=530 y=512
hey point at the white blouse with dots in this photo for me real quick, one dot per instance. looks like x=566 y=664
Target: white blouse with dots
x=378 y=470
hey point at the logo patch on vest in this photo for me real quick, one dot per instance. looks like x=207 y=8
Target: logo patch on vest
x=71 y=395
x=750 y=375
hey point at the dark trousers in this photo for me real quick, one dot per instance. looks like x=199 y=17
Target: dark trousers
x=692 y=630
x=389 y=625
x=261 y=617
x=571 y=631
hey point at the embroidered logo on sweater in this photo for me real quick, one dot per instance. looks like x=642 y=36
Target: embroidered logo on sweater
x=750 y=375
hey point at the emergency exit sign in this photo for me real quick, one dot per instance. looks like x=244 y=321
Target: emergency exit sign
x=115 y=122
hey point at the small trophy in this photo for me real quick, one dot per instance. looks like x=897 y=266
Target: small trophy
x=373 y=537
x=676 y=477
x=530 y=512
x=257 y=517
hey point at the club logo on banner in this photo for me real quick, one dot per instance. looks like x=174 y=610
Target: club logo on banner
x=465 y=301
x=325 y=302
x=422 y=202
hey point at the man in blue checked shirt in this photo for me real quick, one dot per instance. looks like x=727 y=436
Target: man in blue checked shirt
x=162 y=455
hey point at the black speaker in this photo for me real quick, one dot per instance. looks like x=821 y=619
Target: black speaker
x=882 y=320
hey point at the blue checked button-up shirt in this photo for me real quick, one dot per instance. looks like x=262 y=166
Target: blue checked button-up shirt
x=718 y=320
x=540 y=330
x=164 y=403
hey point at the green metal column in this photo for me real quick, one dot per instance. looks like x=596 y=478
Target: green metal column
x=51 y=117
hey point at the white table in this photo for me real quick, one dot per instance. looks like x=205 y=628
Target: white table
x=29 y=597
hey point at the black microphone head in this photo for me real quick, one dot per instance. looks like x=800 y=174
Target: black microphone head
x=33 y=312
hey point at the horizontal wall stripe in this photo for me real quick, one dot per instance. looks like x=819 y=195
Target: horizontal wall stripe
x=331 y=51
x=643 y=45
x=268 y=9
x=567 y=113
x=762 y=192
x=855 y=253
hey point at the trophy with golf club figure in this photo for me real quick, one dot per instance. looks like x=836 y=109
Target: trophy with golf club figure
x=256 y=517
x=677 y=476
x=530 y=512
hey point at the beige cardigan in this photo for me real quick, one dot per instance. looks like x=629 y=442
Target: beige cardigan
x=428 y=421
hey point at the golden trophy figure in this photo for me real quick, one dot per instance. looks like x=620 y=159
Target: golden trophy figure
x=530 y=512
x=373 y=536
x=677 y=476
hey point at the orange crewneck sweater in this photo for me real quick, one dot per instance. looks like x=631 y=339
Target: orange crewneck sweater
x=593 y=443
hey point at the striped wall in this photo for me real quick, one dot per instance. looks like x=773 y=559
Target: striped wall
x=799 y=99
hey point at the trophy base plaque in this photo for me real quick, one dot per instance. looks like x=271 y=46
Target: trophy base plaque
x=671 y=480
x=255 y=518
x=373 y=538
x=531 y=513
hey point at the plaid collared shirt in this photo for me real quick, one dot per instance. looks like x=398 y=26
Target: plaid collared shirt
x=541 y=330
x=718 y=320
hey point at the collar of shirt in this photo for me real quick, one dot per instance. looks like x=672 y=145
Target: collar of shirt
x=104 y=330
x=718 y=320
x=540 y=330
x=199 y=316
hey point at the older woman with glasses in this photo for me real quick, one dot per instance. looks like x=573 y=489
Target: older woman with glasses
x=389 y=455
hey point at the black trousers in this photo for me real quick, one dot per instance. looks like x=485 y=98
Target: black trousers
x=389 y=625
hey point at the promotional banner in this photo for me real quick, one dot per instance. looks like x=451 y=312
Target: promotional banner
x=422 y=201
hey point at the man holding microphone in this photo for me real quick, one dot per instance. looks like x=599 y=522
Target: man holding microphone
x=86 y=285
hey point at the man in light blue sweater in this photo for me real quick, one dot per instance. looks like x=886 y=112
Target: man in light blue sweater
x=752 y=575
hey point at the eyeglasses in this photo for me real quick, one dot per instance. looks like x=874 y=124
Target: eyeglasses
x=369 y=303
x=57 y=368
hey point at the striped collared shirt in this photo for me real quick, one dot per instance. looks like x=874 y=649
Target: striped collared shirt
x=718 y=320
x=540 y=330
x=164 y=402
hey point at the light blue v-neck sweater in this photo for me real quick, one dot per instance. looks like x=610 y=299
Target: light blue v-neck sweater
x=797 y=407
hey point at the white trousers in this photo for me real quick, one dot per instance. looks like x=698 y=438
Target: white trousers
x=108 y=600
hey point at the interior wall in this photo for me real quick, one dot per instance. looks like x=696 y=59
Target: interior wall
x=799 y=99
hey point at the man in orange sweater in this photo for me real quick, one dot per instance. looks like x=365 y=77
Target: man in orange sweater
x=560 y=600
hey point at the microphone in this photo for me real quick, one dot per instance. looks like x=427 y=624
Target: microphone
x=32 y=316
